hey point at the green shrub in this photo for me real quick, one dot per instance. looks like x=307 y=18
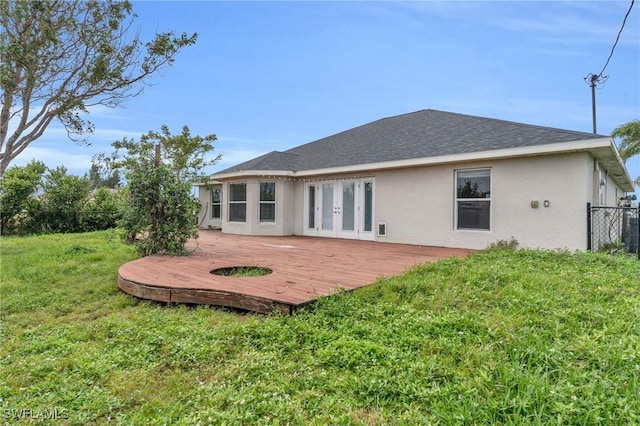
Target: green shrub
x=104 y=210
x=159 y=210
x=17 y=186
x=160 y=215
x=61 y=208
x=37 y=203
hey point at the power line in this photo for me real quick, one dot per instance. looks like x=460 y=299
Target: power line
x=594 y=79
x=617 y=38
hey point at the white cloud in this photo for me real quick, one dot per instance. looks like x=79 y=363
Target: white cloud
x=572 y=23
x=102 y=111
x=559 y=52
x=112 y=135
x=76 y=163
x=558 y=22
x=231 y=157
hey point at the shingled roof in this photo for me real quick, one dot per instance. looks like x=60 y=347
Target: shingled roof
x=420 y=134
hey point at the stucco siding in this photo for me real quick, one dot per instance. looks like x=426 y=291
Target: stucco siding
x=612 y=192
x=287 y=205
x=418 y=205
x=297 y=209
x=559 y=185
x=605 y=191
x=284 y=211
x=540 y=201
x=204 y=198
x=204 y=216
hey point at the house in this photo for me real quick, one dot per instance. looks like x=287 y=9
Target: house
x=428 y=178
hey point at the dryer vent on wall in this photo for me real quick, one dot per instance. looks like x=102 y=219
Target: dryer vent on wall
x=382 y=229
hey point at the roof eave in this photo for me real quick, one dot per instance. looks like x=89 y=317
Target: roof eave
x=602 y=149
x=610 y=159
x=251 y=173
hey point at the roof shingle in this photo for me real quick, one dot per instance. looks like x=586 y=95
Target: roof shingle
x=420 y=134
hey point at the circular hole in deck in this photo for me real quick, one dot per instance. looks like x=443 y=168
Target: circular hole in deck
x=242 y=271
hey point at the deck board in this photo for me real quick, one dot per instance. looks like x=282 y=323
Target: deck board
x=304 y=268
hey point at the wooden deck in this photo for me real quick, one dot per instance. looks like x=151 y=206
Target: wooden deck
x=304 y=268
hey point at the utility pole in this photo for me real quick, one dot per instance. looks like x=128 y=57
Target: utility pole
x=600 y=78
x=593 y=80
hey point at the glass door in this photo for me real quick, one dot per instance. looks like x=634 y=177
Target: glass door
x=346 y=218
x=339 y=209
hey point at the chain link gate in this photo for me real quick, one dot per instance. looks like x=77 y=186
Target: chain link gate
x=611 y=228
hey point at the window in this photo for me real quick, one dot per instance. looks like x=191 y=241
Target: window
x=216 y=202
x=368 y=206
x=473 y=199
x=267 y=201
x=312 y=207
x=237 y=202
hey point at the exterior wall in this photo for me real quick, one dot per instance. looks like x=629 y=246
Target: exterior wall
x=204 y=216
x=285 y=198
x=562 y=180
x=298 y=208
x=594 y=182
x=419 y=207
x=605 y=191
x=289 y=212
x=612 y=193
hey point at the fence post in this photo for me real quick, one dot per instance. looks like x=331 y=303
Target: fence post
x=638 y=234
x=589 y=226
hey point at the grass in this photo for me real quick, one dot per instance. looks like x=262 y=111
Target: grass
x=501 y=337
x=242 y=271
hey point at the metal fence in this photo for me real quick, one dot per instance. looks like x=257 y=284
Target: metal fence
x=613 y=228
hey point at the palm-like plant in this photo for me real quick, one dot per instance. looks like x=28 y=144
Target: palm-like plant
x=629 y=134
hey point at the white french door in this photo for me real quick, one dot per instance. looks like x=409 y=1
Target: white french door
x=339 y=209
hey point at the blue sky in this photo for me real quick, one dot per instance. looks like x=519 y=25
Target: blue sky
x=267 y=76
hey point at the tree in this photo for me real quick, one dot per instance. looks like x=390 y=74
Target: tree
x=629 y=134
x=61 y=207
x=160 y=214
x=17 y=185
x=104 y=209
x=183 y=154
x=60 y=57
x=159 y=217
x=102 y=174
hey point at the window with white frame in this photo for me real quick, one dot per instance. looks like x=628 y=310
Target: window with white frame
x=237 y=202
x=267 y=201
x=473 y=199
x=368 y=206
x=216 y=202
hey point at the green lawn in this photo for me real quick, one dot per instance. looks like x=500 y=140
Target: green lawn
x=501 y=337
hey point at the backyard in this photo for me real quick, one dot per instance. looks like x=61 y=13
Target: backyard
x=498 y=337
